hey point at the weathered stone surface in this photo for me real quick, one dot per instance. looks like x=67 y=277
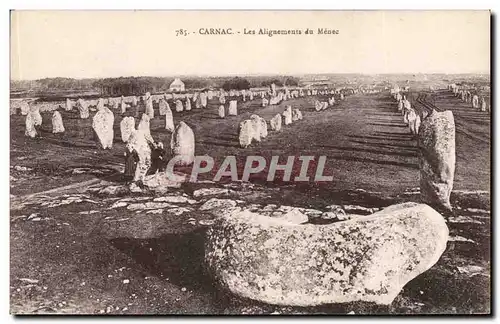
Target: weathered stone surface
x=263 y=127
x=218 y=204
x=188 y=104
x=161 y=181
x=127 y=126
x=436 y=141
x=256 y=125
x=57 y=123
x=210 y=192
x=245 y=134
x=366 y=259
x=169 y=119
x=163 y=106
x=83 y=109
x=102 y=124
x=182 y=143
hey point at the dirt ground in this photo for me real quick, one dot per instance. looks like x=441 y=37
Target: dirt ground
x=86 y=257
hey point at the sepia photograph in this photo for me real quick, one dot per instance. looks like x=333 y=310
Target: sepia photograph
x=250 y=162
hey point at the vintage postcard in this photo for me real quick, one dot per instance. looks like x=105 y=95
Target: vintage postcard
x=250 y=162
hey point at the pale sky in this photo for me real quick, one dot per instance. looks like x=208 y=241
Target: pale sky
x=83 y=44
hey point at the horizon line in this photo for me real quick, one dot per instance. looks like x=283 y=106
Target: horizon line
x=254 y=75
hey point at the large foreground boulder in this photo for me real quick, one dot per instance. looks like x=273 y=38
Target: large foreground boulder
x=436 y=142
x=366 y=259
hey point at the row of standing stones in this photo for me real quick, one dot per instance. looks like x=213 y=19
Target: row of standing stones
x=363 y=259
x=367 y=259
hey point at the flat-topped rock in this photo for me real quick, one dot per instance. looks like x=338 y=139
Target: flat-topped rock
x=369 y=258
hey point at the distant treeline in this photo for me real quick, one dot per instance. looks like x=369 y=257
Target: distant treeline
x=140 y=85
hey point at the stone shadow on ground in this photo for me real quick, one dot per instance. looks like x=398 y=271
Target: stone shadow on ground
x=177 y=256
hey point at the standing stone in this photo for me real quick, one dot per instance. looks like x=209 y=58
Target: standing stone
x=149 y=107
x=256 y=126
x=222 y=99
x=318 y=105
x=178 y=106
x=30 y=125
x=195 y=97
x=57 y=123
x=25 y=108
x=411 y=116
x=245 y=133
x=188 y=104
x=127 y=126
x=69 y=104
x=263 y=127
x=418 y=122
x=169 y=119
x=203 y=98
x=437 y=158
x=265 y=102
x=273 y=89
x=275 y=123
x=37 y=117
x=123 y=105
x=100 y=104
x=250 y=95
x=145 y=128
x=296 y=114
x=83 y=108
x=198 y=104
x=102 y=124
x=182 y=143
x=233 y=110
x=483 y=104
x=222 y=112
x=287 y=114
x=475 y=102
x=163 y=106
x=342 y=96
x=134 y=101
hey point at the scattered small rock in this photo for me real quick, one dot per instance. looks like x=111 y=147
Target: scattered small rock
x=210 y=192
x=216 y=203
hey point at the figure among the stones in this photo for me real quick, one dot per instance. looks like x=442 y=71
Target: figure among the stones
x=131 y=160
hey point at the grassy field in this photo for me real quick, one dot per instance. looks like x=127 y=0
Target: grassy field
x=81 y=255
